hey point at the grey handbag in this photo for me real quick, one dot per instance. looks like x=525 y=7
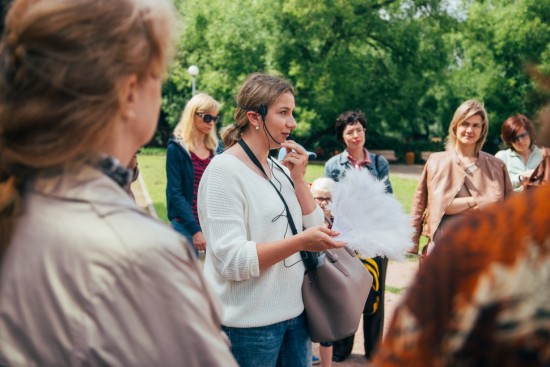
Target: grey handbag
x=334 y=295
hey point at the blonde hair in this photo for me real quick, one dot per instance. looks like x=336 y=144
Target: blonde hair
x=258 y=90
x=185 y=131
x=62 y=64
x=466 y=110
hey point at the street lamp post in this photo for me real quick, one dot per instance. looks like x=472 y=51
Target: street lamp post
x=193 y=71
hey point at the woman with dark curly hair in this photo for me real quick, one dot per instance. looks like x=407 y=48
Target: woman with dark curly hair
x=351 y=127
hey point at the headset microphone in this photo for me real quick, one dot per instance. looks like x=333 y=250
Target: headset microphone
x=263 y=112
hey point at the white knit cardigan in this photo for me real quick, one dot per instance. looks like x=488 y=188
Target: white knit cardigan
x=238 y=208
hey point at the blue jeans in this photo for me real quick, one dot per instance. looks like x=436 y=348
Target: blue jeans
x=180 y=228
x=284 y=344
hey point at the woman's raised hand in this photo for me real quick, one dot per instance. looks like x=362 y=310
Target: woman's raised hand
x=320 y=238
x=295 y=159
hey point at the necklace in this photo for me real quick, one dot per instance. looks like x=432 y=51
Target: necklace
x=470 y=166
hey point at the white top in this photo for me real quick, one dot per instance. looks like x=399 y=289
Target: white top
x=237 y=208
x=516 y=165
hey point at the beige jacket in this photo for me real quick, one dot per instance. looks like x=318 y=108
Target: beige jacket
x=442 y=179
x=90 y=280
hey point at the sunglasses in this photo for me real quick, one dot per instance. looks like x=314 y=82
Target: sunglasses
x=208 y=118
x=520 y=136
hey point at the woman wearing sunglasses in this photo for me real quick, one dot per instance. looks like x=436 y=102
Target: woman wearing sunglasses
x=189 y=152
x=522 y=156
x=460 y=180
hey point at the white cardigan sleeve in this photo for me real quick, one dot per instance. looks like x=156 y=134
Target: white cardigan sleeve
x=222 y=211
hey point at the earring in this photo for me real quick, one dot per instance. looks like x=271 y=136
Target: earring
x=257 y=127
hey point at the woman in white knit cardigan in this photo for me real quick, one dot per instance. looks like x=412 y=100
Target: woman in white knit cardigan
x=253 y=263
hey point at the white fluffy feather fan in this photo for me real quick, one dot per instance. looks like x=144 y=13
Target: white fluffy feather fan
x=370 y=221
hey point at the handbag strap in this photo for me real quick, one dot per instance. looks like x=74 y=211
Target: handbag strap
x=544 y=169
x=541 y=174
x=309 y=258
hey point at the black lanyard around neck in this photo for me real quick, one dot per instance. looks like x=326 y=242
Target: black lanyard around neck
x=309 y=258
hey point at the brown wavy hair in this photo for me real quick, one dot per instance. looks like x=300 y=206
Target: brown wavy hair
x=62 y=63
x=258 y=89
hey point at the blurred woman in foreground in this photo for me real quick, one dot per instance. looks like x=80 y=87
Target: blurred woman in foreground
x=86 y=277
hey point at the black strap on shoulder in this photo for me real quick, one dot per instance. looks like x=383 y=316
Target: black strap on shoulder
x=309 y=258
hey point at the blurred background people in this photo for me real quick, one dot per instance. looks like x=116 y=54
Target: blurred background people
x=351 y=127
x=247 y=201
x=87 y=277
x=460 y=180
x=482 y=296
x=351 y=130
x=522 y=156
x=321 y=189
x=188 y=154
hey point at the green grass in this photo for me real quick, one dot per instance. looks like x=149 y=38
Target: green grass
x=314 y=170
x=153 y=170
x=403 y=190
x=395 y=290
x=152 y=167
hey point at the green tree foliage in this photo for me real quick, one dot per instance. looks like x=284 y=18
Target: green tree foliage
x=380 y=57
x=407 y=64
x=227 y=40
x=493 y=47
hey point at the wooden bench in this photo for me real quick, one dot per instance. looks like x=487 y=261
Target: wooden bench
x=388 y=154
